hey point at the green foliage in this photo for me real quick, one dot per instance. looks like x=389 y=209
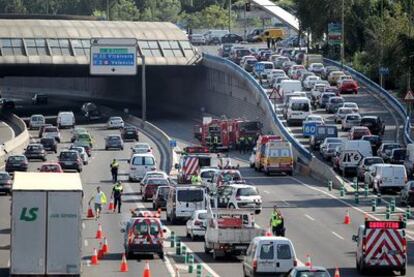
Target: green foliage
x=213 y=16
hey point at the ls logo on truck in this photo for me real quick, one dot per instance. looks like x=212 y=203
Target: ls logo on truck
x=29 y=215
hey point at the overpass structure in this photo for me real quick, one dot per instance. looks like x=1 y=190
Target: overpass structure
x=67 y=42
x=283 y=15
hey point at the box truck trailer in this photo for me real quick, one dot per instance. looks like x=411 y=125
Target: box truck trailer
x=46 y=224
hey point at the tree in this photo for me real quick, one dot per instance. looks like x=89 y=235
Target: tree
x=124 y=10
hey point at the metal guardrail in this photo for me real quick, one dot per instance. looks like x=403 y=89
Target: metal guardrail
x=389 y=97
x=305 y=153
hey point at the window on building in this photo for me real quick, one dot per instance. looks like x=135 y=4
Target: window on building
x=149 y=48
x=186 y=46
x=36 y=47
x=12 y=47
x=171 y=49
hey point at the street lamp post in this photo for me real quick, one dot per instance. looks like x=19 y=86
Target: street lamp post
x=229 y=16
x=410 y=17
x=381 y=75
x=343 y=34
x=144 y=91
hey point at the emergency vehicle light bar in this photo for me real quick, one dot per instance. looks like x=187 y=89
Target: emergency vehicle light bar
x=196 y=149
x=384 y=224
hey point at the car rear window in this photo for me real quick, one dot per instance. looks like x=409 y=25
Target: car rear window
x=202 y=216
x=162 y=182
x=143 y=161
x=283 y=252
x=16 y=158
x=68 y=155
x=312 y=273
x=267 y=252
x=50 y=129
x=371 y=161
x=143 y=228
x=4 y=176
x=190 y=195
x=246 y=192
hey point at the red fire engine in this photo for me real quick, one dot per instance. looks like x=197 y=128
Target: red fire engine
x=223 y=134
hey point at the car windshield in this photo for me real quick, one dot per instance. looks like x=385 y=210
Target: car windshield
x=114 y=138
x=304 y=107
x=162 y=182
x=202 y=216
x=50 y=129
x=399 y=154
x=145 y=227
x=47 y=141
x=37 y=118
x=34 y=147
x=247 y=192
x=371 y=161
x=16 y=158
x=143 y=161
x=312 y=273
x=68 y=155
x=345 y=111
x=353 y=117
x=4 y=176
x=195 y=195
x=49 y=168
x=231 y=176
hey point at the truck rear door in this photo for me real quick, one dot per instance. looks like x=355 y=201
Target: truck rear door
x=28 y=237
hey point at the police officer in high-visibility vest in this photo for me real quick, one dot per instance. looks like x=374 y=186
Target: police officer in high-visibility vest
x=116 y=194
x=215 y=142
x=196 y=179
x=242 y=144
x=277 y=223
x=114 y=170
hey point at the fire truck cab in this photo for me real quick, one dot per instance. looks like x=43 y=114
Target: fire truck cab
x=189 y=165
x=381 y=245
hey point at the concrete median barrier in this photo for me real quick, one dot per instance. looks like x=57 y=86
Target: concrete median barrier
x=19 y=142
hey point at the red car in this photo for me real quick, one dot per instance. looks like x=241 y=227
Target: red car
x=150 y=187
x=348 y=86
x=357 y=132
x=51 y=167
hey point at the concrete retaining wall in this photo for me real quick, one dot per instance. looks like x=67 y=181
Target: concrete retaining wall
x=19 y=142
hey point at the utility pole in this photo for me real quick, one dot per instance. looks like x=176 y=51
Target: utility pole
x=381 y=75
x=245 y=23
x=343 y=34
x=144 y=91
x=410 y=18
x=229 y=16
x=107 y=10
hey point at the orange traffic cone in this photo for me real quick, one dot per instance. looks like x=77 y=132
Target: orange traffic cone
x=347 y=219
x=308 y=261
x=99 y=232
x=100 y=251
x=111 y=205
x=90 y=213
x=147 y=271
x=337 y=273
x=105 y=247
x=94 y=259
x=124 y=264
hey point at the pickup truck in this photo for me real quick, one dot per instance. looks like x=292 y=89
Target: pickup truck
x=229 y=231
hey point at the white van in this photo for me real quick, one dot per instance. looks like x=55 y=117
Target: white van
x=210 y=34
x=298 y=109
x=269 y=255
x=409 y=159
x=65 y=120
x=36 y=120
x=353 y=151
x=139 y=164
x=183 y=201
x=288 y=86
x=389 y=177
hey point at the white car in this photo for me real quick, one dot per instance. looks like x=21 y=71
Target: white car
x=115 y=122
x=51 y=132
x=239 y=196
x=196 y=225
x=153 y=174
x=350 y=120
x=310 y=81
x=207 y=174
x=351 y=105
x=140 y=148
x=276 y=73
x=341 y=113
x=82 y=153
x=314 y=118
x=316 y=68
x=198 y=39
x=36 y=121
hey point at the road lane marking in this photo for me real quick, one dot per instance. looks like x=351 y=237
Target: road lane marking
x=85 y=242
x=338 y=236
x=309 y=217
x=340 y=200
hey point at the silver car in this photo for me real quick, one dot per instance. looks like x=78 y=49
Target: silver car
x=329 y=150
x=350 y=121
x=341 y=113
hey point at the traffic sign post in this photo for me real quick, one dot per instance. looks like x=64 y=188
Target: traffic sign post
x=384 y=71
